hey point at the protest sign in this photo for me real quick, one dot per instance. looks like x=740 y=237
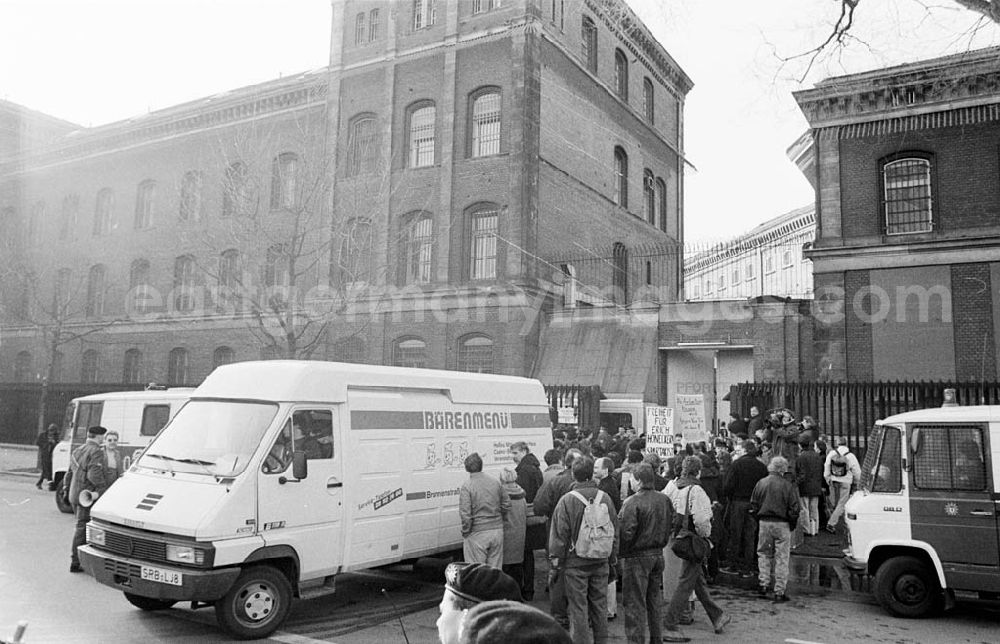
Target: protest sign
x=659 y=431
x=690 y=412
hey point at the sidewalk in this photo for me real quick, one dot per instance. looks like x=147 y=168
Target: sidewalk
x=20 y=460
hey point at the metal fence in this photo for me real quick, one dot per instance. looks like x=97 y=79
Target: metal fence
x=19 y=403
x=851 y=408
x=585 y=399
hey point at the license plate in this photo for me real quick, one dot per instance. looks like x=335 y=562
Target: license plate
x=161 y=576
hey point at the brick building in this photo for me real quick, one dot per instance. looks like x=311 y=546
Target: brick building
x=907 y=254
x=420 y=201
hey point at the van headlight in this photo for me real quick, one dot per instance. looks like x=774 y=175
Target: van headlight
x=95 y=535
x=185 y=554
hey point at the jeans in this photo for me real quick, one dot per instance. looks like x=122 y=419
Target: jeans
x=773 y=550
x=692 y=578
x=810 y=507
x=484 y=547
x=742 y=535
x=80 y=533
x=840 y=493
x=641 y=579
x=587 y=600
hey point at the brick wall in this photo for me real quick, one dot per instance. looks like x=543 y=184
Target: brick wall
x=858 y=331
x=972 y=310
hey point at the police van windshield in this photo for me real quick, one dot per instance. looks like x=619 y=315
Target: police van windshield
x=882 y=469
x=211 y=437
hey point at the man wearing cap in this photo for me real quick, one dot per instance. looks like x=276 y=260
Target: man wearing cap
x=645 y=520
x=87 y=465
x=507 y=622
x=468 y=584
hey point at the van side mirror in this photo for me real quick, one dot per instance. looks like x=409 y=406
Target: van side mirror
x=915 y=441
x=300 y=467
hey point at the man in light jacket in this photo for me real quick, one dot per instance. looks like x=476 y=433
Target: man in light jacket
x=840 y=485
x=482 y=506
x=690 y=498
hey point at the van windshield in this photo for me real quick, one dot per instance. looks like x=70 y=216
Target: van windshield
x=211 y=437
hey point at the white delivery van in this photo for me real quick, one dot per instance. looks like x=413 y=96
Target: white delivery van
x=924 y=521
x=622 y=410
x=137 y=416
x=277 y=475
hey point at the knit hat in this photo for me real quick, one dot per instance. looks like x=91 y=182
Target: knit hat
x=477 y=582
x=507 y=622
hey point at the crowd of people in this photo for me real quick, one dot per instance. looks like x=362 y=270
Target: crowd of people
x=613 y=514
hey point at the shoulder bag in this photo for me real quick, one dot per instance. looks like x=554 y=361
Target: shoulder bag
x=688 y=544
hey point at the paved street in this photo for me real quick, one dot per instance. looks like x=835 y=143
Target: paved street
x=60 y=607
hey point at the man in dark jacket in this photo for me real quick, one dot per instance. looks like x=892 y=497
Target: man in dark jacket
x=737 y=427
x=809 y=473
x=89 y=474
x=756 y=423
x=586 y=580
x=737 y=488
x=644 y=521
x=545 y=504
x=529 y=477
x=775 y=502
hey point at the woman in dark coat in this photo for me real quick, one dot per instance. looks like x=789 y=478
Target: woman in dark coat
x=46 y=442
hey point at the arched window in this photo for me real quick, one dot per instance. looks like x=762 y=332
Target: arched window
x=24 y=369
x=649 y=196
x=89 y=366
x=184 y=295
x=238 y=196
x=222 y=355
x=475 y=354
x=418 y=247
x=356 y=250
x=588 y=35
x=362 y=145
x=484 y=223
x=36 y=216
x=62 y=292
x=229 y=276
x=359 y=29
x=350 y=349
x=284 y=180
x=138 y=286
x=68 y=217
x=420 y=135
x=907 y=201
x=409 y=352
x=96 y=290
x=619 y=279
x=191 y=187
x=648 y=100
x=276 y=271
x=485 y=121
x=621 y=177
x=132 y=369
x=104 y=212
x=177 y=366
x=424 y=13
x=621 y=74
x=145 y=197
x=373 y=25
x=661 y=203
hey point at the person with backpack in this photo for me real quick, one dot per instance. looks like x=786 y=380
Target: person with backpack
x=583 y=544
x=841 y=471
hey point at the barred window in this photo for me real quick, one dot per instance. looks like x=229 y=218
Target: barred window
x=418 y=240
x=410 y=352
x=649 y=196
x=486 y=124
x=238 y=195
x=619 y=278
x=138 y=286
x=907 y=196
x=68 y=217
x=648 y=100
x=481 y=6
x=276 y=272
x=104 y=212
x=96 y=290
x=191 y=187
x=284 y=180
x=145 y=198
x=359 y=29
x=35 y=218
x=229 y=276
x=588 y=36
x=177 y=366
x=350 y=349
x=184 y=296
x=223 y=355
x=475 y=354
x=621 y=177
x=132 y=368
x=373 y=25
x=424 y=14
x=621 y=74
x=362 y=146
x=356 y=250
x=89 y=366
x=949 y=458
x=421 y=136
x=661 y=203
x=483 y=253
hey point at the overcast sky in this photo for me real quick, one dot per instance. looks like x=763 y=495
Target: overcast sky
x=98 y=61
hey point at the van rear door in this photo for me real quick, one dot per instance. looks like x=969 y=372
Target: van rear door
x=306 y=514
x=951 y=501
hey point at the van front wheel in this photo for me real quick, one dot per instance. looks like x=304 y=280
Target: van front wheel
x=907 y=587
x=257 y=603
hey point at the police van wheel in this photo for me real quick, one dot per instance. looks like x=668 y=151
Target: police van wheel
x=257 y=603
x=149 y=603
x=906 y=587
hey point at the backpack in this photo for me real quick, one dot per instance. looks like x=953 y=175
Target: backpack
x=597 y=531
x=838 y=464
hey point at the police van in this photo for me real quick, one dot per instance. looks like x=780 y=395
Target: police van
x=278 y=475
x=924 y=521
x=137 y=416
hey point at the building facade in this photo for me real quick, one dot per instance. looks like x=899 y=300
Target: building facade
x=767 y=260
x=906 y=260
x=458 y=170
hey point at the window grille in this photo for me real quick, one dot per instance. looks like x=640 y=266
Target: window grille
x=475 y=354
x=647 y=99
x=484 y=245
x=138 y=282
x=350 y=350
x=949 y=458
x=373 y=25
x=96 y=291
x=588 y=35
x=191 y=187
x=177 y=366
x=184 y=297
x=486 y=124
x=69 y=215
x=284 y=180
x=417 y=255
x=362 y=146
x=104 y=212
x=908 y=203
x=621 y=74
x=621 y=178
x=144 y=200
x=410 y=352
x=89 y=366
x=422 y=137
x=359 y=29
x=223 y=355
x=132 y=369
x=649 y=196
